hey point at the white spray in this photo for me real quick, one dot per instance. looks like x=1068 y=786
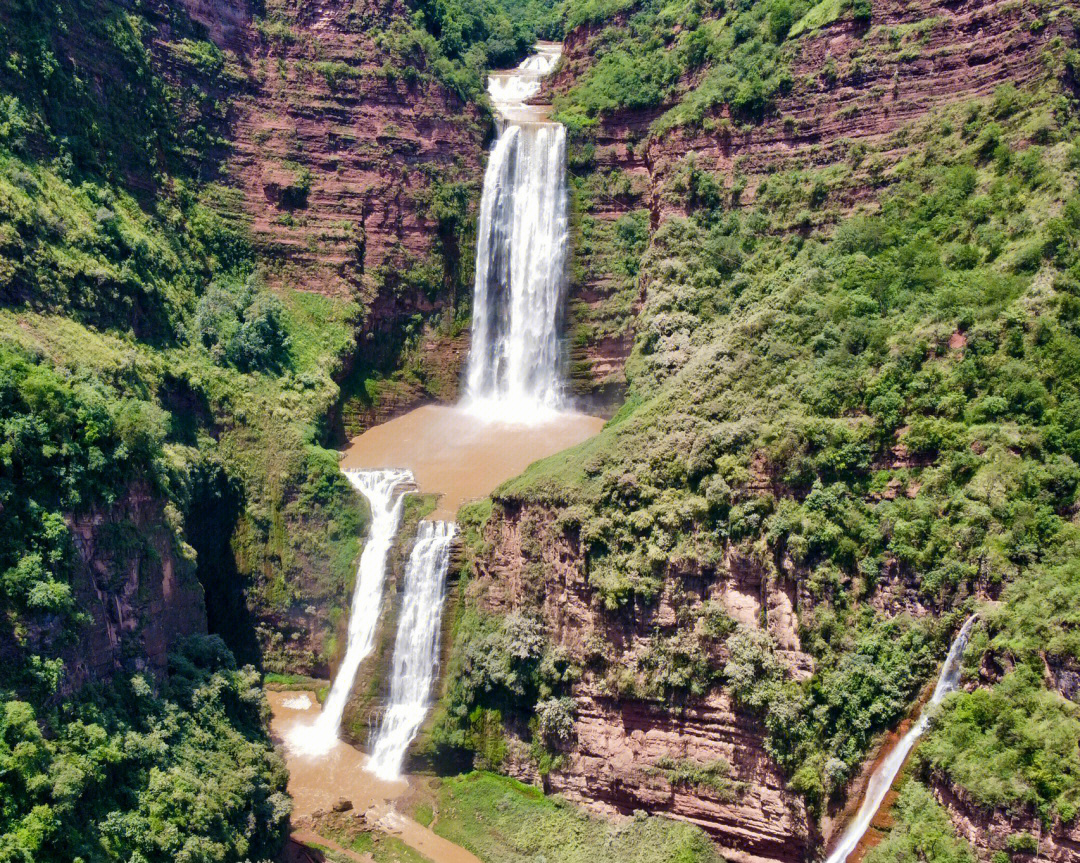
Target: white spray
x=384 y=490
x=513 y=371
x=416 y=649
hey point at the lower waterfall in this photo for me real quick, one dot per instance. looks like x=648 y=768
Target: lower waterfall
x=384 y=490
x=885 y=773
x=416 y=648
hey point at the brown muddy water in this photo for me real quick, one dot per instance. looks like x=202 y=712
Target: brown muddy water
x=317 y=783
x=461 y=456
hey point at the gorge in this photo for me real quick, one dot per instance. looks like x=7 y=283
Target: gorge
x=597 y=430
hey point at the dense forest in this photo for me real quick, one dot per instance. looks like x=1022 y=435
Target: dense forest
x=860 y=372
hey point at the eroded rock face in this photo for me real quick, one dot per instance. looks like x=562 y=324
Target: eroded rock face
x=619 y=740
x=988 y=832
x=139 y=587
x=332 y=154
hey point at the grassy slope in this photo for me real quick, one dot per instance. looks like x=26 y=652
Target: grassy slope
x=502 y=821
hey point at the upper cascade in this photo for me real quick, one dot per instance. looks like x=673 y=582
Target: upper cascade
x=513 y=370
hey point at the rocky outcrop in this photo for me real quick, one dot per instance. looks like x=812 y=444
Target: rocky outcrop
x=612 y=768
x=333 y=152
x=137 y=583
x=989 y=832
x=621 y=742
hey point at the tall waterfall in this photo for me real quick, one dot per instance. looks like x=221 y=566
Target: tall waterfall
x=416 y=648
x=520 y=256
x=883 y=776
x=384 y=490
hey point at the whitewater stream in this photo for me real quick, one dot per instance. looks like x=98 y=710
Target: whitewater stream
x=416 y=649
x=384 y=490
x=513 y=411
x=881 y=779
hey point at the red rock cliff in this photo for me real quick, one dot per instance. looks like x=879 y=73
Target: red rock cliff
x=136 y=582
x=619 y=739
x=336 y=150
x=856 y=87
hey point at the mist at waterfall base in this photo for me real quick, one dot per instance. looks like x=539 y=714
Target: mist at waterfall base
x=416 y=649
x=384 y=490
x=882 y=778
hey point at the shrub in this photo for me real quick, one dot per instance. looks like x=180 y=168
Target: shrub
x=242 y=326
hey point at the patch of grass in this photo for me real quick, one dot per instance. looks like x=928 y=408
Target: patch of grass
x=423 y=813
x=819 y=16
x=503 y=821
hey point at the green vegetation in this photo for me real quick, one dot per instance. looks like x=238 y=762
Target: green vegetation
x=502 y=821
x=921 y=831
x=689 y=60
x=1014 y=746
x=452 y=42
x=711 y=776
x=503 y=666
x=140 y=356
x=122 y=773
x=850 y=400
x=382 y=847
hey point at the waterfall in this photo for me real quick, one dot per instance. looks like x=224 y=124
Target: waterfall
x=384 y=492
x=883 y=776
x=513 y=365
x=416 y=649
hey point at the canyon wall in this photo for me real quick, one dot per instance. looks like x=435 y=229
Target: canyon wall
x=855 y=90
x=357 y=171
x=134 y=580
x=989 y=832
x=624 y=744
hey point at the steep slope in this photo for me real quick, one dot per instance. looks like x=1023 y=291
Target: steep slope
x=848 y=419
x=358 y=168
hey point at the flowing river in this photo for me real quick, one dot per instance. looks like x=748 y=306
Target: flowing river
x=513 y=412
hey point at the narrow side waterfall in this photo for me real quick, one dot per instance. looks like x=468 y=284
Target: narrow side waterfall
x=384 y=490
x=520 y=257
x=883 y=776
x=416 y=648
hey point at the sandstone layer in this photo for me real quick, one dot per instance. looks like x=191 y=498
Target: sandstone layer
x=614 y=764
